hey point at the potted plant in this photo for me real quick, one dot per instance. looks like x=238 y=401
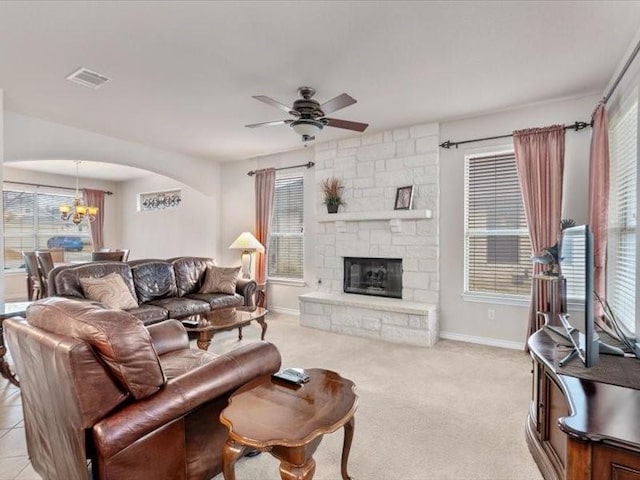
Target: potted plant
x=332 y=191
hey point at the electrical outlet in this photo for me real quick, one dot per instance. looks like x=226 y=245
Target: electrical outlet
x=491 y=314
x=319 y=281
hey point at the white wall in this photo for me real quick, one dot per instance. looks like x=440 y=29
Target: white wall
x=459 y=319
x=30 y=138
x=192 y=229
x=14 y=287
x=189 y=229
x=469 y=320
x=238 y=215
x=209 y=221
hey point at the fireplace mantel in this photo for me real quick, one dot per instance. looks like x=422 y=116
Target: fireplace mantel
x=395 y=218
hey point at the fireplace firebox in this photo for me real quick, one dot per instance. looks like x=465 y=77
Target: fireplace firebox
x=381 y=277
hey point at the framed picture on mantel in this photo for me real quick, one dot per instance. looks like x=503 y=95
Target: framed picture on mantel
x=404 y=198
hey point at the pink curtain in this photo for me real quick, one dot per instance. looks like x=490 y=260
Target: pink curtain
x=265 y=190
x=599 y=199
x=95 y=198
x=540 y=163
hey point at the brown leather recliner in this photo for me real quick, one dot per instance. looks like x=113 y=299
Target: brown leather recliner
x=136 y=401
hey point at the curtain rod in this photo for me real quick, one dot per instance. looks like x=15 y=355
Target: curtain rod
x=576 y=126
x=308 y=165
x=622 y=73
x=49 y=186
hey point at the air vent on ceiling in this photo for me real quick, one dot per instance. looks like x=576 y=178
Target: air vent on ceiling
x=88 y=78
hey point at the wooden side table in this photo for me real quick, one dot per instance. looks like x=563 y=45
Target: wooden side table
x=289 y=421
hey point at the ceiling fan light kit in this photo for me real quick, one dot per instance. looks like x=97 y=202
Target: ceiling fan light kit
x=306 y=127
x=310 y=115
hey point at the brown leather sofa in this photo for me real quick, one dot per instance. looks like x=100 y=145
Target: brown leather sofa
x=162 y=288
x=136 y=402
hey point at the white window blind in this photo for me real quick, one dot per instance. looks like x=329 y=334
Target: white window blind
x=497 y=246
x=286 y=242
x=621 y=241
x=32 y=222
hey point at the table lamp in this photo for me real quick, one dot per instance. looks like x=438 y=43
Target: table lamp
x=248 y=244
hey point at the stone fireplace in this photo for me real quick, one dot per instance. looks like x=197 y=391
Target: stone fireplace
x=372 y=168
x=381 y=277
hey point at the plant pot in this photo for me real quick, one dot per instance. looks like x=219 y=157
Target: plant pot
x=332 y=208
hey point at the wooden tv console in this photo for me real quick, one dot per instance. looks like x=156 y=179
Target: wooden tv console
x=581 y=429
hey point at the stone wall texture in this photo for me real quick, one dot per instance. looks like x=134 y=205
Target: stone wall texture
x=372 y=167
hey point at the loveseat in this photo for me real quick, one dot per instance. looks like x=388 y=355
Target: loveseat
x=136 y=401
x=160 y=289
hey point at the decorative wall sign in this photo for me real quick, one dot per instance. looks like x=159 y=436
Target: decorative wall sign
x=159 y=200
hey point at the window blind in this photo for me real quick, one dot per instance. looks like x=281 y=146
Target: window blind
x=497 y=246
x=32 y=222
x=286 y=242
x=621 y=233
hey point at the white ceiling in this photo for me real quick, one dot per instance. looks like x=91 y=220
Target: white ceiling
x=183 y=73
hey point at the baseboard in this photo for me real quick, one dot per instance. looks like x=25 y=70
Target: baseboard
x=492 y=342
x=288 y=311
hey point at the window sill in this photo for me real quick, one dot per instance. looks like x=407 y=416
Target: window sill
x=15 y=272
x=514 y=300
x=291 y=282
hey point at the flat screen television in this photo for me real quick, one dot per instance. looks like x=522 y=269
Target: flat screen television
x=576 y=266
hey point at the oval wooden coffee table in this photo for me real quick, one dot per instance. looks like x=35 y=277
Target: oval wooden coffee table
x=289 y=422
x=224 y=319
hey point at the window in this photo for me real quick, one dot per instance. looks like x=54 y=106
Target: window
x=621 y=234
x=286 y=243
x=32 y=222
x=497 y=253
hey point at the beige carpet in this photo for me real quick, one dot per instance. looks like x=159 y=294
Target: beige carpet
x=454 y=411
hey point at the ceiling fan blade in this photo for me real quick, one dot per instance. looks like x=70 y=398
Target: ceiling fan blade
x=269 y=124
x=341 y=101
x=273 y=103
x=334 y=122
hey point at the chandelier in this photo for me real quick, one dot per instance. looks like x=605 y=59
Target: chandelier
x=78 y=211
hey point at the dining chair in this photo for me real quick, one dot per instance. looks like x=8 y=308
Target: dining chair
x=125 y=253
x=111 y=256
x=45 y=261
x=57 y=255
x=34 y=282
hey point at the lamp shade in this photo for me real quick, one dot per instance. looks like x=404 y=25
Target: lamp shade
x=246 y=241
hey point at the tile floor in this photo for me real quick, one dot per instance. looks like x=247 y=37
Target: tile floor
x=14 y=462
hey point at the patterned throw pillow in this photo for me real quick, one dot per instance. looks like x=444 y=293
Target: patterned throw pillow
x=109 y=290
x=220 y=280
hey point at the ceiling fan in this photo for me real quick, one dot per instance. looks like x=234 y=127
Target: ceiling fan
x=310 y=114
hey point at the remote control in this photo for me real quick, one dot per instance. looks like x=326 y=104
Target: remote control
x=291 y=376
x=304 y=378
